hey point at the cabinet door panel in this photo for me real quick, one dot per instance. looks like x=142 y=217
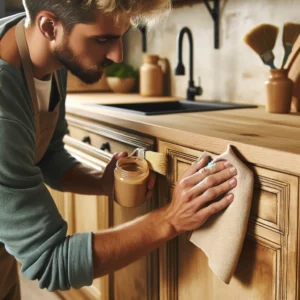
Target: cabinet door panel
x=267 y=268
x=255 y=277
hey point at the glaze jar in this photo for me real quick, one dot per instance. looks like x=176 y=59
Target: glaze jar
x=131 y=176
x=279 y=89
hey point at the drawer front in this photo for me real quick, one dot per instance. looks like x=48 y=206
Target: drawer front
x=98 y=141
x=106 y=138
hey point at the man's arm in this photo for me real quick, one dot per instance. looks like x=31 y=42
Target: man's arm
x=190 y=207
x=84 y=180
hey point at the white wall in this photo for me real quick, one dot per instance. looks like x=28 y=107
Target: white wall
x=234 y=73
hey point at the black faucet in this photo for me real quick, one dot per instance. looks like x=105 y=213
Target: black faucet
x=192 y=90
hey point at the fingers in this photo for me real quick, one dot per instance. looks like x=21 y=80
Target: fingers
x=208 y=182
x=209 y=170
x=214 y=208
x=120 y=154
x=196 y=166
x=214 y=193
x=196 y=196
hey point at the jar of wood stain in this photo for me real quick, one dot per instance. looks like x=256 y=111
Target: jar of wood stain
x=131 y=176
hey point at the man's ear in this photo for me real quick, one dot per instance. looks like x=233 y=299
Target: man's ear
x=47 y=24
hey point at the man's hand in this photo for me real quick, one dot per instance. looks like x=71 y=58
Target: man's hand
x=192 y=203
x=191 y=206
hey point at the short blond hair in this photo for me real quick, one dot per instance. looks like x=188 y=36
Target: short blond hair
x=145 y=12
x=71 y=12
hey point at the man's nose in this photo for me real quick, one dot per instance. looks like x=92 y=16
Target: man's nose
x=115 y=52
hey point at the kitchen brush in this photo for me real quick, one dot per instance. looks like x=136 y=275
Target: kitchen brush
x=291 y=32
x=262 y=39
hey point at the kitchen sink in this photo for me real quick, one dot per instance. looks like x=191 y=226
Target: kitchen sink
x=171 y=107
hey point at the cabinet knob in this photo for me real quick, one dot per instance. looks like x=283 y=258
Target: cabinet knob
x=87 y=140
x=105 y=147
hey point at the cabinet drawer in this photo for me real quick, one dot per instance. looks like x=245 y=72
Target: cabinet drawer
x=105 y=137
x=99 y=141
x=272 y=189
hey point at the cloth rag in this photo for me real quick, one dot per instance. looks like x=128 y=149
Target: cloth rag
x=221 y=238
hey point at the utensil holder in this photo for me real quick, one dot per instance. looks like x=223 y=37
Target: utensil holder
x=279 y=91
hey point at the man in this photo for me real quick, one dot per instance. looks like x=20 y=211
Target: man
x=84 y=37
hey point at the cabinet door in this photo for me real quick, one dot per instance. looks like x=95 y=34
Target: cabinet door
x=267 y=268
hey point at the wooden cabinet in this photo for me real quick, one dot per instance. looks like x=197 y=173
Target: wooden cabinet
x=91 y=213
x=268 y=265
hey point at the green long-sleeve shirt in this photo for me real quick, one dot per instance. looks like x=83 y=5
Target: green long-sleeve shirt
x=31 y=227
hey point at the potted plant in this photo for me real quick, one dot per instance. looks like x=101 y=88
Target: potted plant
x=121 y=77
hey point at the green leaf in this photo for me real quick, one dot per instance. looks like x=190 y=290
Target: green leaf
x=121 y=70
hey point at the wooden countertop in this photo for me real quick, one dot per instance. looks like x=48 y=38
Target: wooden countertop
x=261 y=138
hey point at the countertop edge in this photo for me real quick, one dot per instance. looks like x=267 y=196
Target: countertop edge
x=261 y=156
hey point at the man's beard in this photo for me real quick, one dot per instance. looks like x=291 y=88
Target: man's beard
x=67 y=58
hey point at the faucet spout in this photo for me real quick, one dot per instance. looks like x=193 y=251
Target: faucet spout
x=180 y=67
x=192 y=90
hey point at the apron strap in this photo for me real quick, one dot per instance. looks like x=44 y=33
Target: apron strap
x=57 y=85
x=27 y=66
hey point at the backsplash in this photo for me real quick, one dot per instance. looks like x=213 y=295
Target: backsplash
x=233 y=73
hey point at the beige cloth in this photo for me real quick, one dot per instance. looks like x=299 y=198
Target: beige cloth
x=222 y=236
x=9 y=279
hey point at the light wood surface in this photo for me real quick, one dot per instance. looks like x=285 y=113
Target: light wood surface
x=261 y=138
x=268 y=265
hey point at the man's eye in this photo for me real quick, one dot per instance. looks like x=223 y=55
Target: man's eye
x=101 y=40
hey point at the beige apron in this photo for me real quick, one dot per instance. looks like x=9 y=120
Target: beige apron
x=45 y=123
